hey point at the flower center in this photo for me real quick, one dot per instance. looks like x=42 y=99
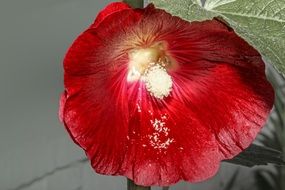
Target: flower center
x=150 y=65
x=158 y=82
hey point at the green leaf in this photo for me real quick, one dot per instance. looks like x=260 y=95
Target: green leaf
x=258 y=155
x=260 y=22
x=262 y=181
x=133 y=186
x=190 y=10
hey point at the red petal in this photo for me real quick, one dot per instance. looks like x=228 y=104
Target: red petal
x=61 y=106
x=109 y=10
x=219 y=102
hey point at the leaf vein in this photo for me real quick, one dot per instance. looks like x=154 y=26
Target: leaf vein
x=250 y=16
x=264 y=8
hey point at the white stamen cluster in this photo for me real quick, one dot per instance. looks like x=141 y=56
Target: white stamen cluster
x=161 y=131
x=158 y=82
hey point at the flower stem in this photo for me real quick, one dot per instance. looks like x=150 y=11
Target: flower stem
x=135 y=3
x=283 y=168
x=133 y=186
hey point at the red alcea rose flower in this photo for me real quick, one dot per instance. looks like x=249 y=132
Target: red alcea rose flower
x=158 y=99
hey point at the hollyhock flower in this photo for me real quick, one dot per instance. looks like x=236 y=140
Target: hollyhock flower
x=158 y=99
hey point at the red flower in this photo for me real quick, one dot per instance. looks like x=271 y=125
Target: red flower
x=158 y=99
